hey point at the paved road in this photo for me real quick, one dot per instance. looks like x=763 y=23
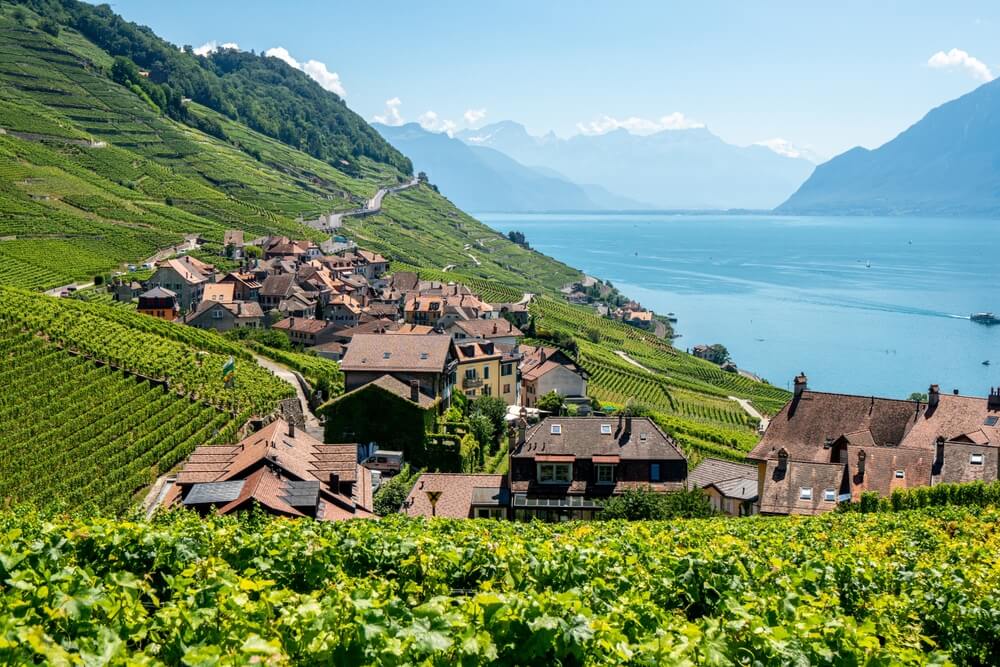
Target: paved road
x=313 y=427
x=57 y=291
x=332 y=221
x=190 y=243
x=526 y=299
x=634 y=362
x=752 y=411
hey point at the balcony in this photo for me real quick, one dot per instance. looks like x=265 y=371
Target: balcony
x=472 y=383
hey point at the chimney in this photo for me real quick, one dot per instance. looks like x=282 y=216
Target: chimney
x=415 y=390
x=800 y=384
x=933 y=396
x=939 y=454
x=993 y=401
x=291 y=429
x=522 y=426
x=861 y=462
x=628 y=424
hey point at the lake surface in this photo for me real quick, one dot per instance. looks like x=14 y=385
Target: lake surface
x=789 y=294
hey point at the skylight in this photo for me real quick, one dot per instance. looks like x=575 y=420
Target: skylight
x=805 y=493
x=830 y=495
x=386 y=355
x=606 y=429
x=991 y=421
x=556 y=429
x=900 y=474
x=976 y=459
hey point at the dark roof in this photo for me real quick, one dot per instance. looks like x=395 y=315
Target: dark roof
x=392 y=353
x=783 y=484
x=582 y=437
x=216 y=493
x=739 y=488
x=301 y=493
x=457 y=493
x=803 y=424
x=280 y=285
x=710 y=471
x=158 y=293
x=389 y=384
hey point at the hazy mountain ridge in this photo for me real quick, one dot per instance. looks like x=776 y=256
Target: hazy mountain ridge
x=947 y=163
x=690 y=169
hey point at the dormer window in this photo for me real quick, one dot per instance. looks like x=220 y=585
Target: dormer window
x=976 y=459
x=605 y=429
x=386 y=355
x=423 y=355
x=900 y=474
x=556 y=429
x=642 y=436
x=805 y=493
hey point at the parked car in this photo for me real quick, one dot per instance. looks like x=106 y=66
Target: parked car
x=384 y=461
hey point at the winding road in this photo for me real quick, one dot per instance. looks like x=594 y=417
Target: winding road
x=312 y=425
x=332 y=221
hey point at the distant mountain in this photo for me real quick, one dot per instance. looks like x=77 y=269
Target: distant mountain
x=670 y=169
x=948 y=163
x=483 y=179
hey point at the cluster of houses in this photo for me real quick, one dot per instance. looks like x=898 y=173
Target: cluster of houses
x=411 y=343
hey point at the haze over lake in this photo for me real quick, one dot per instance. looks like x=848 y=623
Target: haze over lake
x=788 y=294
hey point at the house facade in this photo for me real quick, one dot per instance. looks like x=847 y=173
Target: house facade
x=429 y=361
x=731 y=487
x=548 y=369
x=823 y=449
x=478 y=369
x=159 y=302
x=224 y=316
x=182 y=277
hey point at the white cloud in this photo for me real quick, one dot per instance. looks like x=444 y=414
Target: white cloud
x=430 y=121
x=316 y=70
x=391 y=115
x=213 y=46
x=637 y=125
x=474 y=116
x=957 y=58
x=788 y=149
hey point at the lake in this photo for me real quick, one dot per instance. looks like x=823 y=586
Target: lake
x=872 y=306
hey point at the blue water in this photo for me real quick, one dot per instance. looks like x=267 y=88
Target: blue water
x=790 y=294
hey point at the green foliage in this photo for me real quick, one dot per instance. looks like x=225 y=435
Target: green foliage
x=551 y=402
x=643 y=503
x=494 y=410
x=471 y=453
x=883 y=589
x=390 y=496
x=970 y=494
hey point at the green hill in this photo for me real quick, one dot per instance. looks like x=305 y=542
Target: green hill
x=102 y=166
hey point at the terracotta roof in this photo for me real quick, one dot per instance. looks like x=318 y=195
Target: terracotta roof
x=496 y=328
x=375 y=326
x=537 y=361
x=404 y=280
x=187 y=272
x=716 y=470
x=306 y=325
x=783 y=487
x=239 y=310
x=222 y=292
x=414 y=330
x=953 y=417
x=233 y=237
x=881 y=465
x=458 y=493
x=583 y=437
x=248 y=279
x=476 y=350
x=389 y=353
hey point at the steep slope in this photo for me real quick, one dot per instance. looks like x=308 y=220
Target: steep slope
x=948 y=163
x=263 y=93
x=483 y=179
x=686 y=169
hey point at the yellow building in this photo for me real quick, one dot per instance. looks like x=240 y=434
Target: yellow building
x=479 y=371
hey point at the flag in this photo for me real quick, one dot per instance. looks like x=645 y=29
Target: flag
x=229 y=371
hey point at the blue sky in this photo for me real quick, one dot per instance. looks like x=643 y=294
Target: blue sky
x=827 y=78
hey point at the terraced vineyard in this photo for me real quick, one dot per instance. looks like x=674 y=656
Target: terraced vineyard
x=85 y=435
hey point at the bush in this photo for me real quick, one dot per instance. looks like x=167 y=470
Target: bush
x=495 y=410
x=551 y=402
x=481 y=428
x=390 y=496
x=643 y=503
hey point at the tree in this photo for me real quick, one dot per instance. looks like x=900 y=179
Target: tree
x=470 y=452
x=319 y=310
x=393 y=492
x=494 y=409
x=98 y=280
x=551 y=402
x=49 y=25
x=481 y=428
x=718 y=354
x=642 y=503
x=917 y=396
x=252 y=252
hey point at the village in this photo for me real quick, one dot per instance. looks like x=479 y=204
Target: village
x=416 y=354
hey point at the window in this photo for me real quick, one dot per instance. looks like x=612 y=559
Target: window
x=654 y=472
x=900 y=474
x=386 y=355
x=606 y=429
x=490 y=513
x=470 y=393
x=991 y=420
x=829 y=495
x=216 y=314
x=556 y=429
x=555 y=473
x=507 y=369
x=506 y=389
x=486 y=372
x=643 y=436
x=976 y=459
x=805 y=493
x=470 y=373
x=605 y=473
x=487 y=390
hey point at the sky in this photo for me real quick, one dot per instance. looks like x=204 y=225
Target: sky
x=804 y=77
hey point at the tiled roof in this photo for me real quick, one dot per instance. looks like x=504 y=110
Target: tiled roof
x=278 y=286
x=393 y=386
x=221 y=292
x=305 y=325
x=476 y=350
x=158 y=293
x=740 y=488
x=488 y=328
x=458 y=492
x=583 y=437
x=881 y=465
x=783 y=486
x=716 y=470
x=392 y=353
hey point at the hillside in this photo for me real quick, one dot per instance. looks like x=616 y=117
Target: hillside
x=672 y=169
x=914 y=588
x=477 y=178
x=945 y=164
x=94 y=174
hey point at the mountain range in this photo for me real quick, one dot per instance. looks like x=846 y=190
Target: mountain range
x=948 y=163
x=478 y=178
x=675 y=169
